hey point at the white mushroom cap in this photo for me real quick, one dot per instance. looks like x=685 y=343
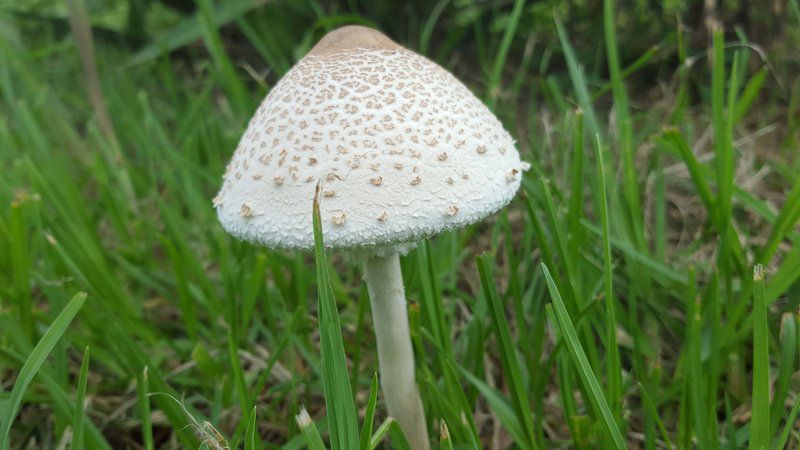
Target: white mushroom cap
x=402 y=148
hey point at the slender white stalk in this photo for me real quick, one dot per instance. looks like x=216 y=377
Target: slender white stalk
x=395 y=355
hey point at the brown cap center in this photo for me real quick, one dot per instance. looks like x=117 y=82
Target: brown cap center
x=352 y=37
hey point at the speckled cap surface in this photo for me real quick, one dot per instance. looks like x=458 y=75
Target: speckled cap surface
x=402 y=149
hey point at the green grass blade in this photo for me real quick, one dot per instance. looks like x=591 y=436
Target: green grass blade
x=787 y=429
x=234 y=87
x=35 y=361
x=784 y=223
x=596 y=397
x=651 y=407
x=397 y=436
x=77 y=421
x=759 y=422
x=309 y=431
x=508 y=355
x=369 y=414
x=630 y=185
x=786 y=368
x=502 y=53
x=500 y=406
x=749 y=95
x=143 y=400
x=614 y=371
x=576 y=199
x=445 y=443
x=250 y=434
x=430 y=23
x=578 y=80
x=381 y=433
x=338 y=399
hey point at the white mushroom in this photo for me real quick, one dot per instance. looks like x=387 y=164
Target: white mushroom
x=359 y=95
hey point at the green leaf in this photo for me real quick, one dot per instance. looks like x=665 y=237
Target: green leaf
x=508 y=355
x=77 y=420
x=309 y=431
x=369 y=414
x=596 y=398
x=759 y=422
x=250 y=434
x=338 y=397
x=35 y=361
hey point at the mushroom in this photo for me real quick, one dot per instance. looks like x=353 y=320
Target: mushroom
x=357 y=96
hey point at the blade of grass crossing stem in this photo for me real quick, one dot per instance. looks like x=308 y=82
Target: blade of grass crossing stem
x=613 y=378
x=384 y=430
x=143 y=399
x=396 y=435
x=759 y=422
x=596 y=398
x=369 y=414
x=309 y=431
x=77 y=421
x=35 y=361
x=508 y=355
x=380 y=433
x=338 y=399
x=502 y=52
x=250 y=434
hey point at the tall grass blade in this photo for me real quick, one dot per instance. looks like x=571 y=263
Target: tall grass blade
x=250 y=442
x=502 y=53
x=508 y=355
x=578 y=356
x=338 y=399
x=578 y=81
x=624 y=126
x=759 y=422
x=77 y=420
x=787 y=429
x=143 y=400
x=369 y=414
x=309 y=431
x=35 y=361
x=613 y=367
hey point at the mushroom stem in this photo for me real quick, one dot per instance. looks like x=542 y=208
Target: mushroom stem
x=395 y=355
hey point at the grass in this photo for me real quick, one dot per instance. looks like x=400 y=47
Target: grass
x=613 y=304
